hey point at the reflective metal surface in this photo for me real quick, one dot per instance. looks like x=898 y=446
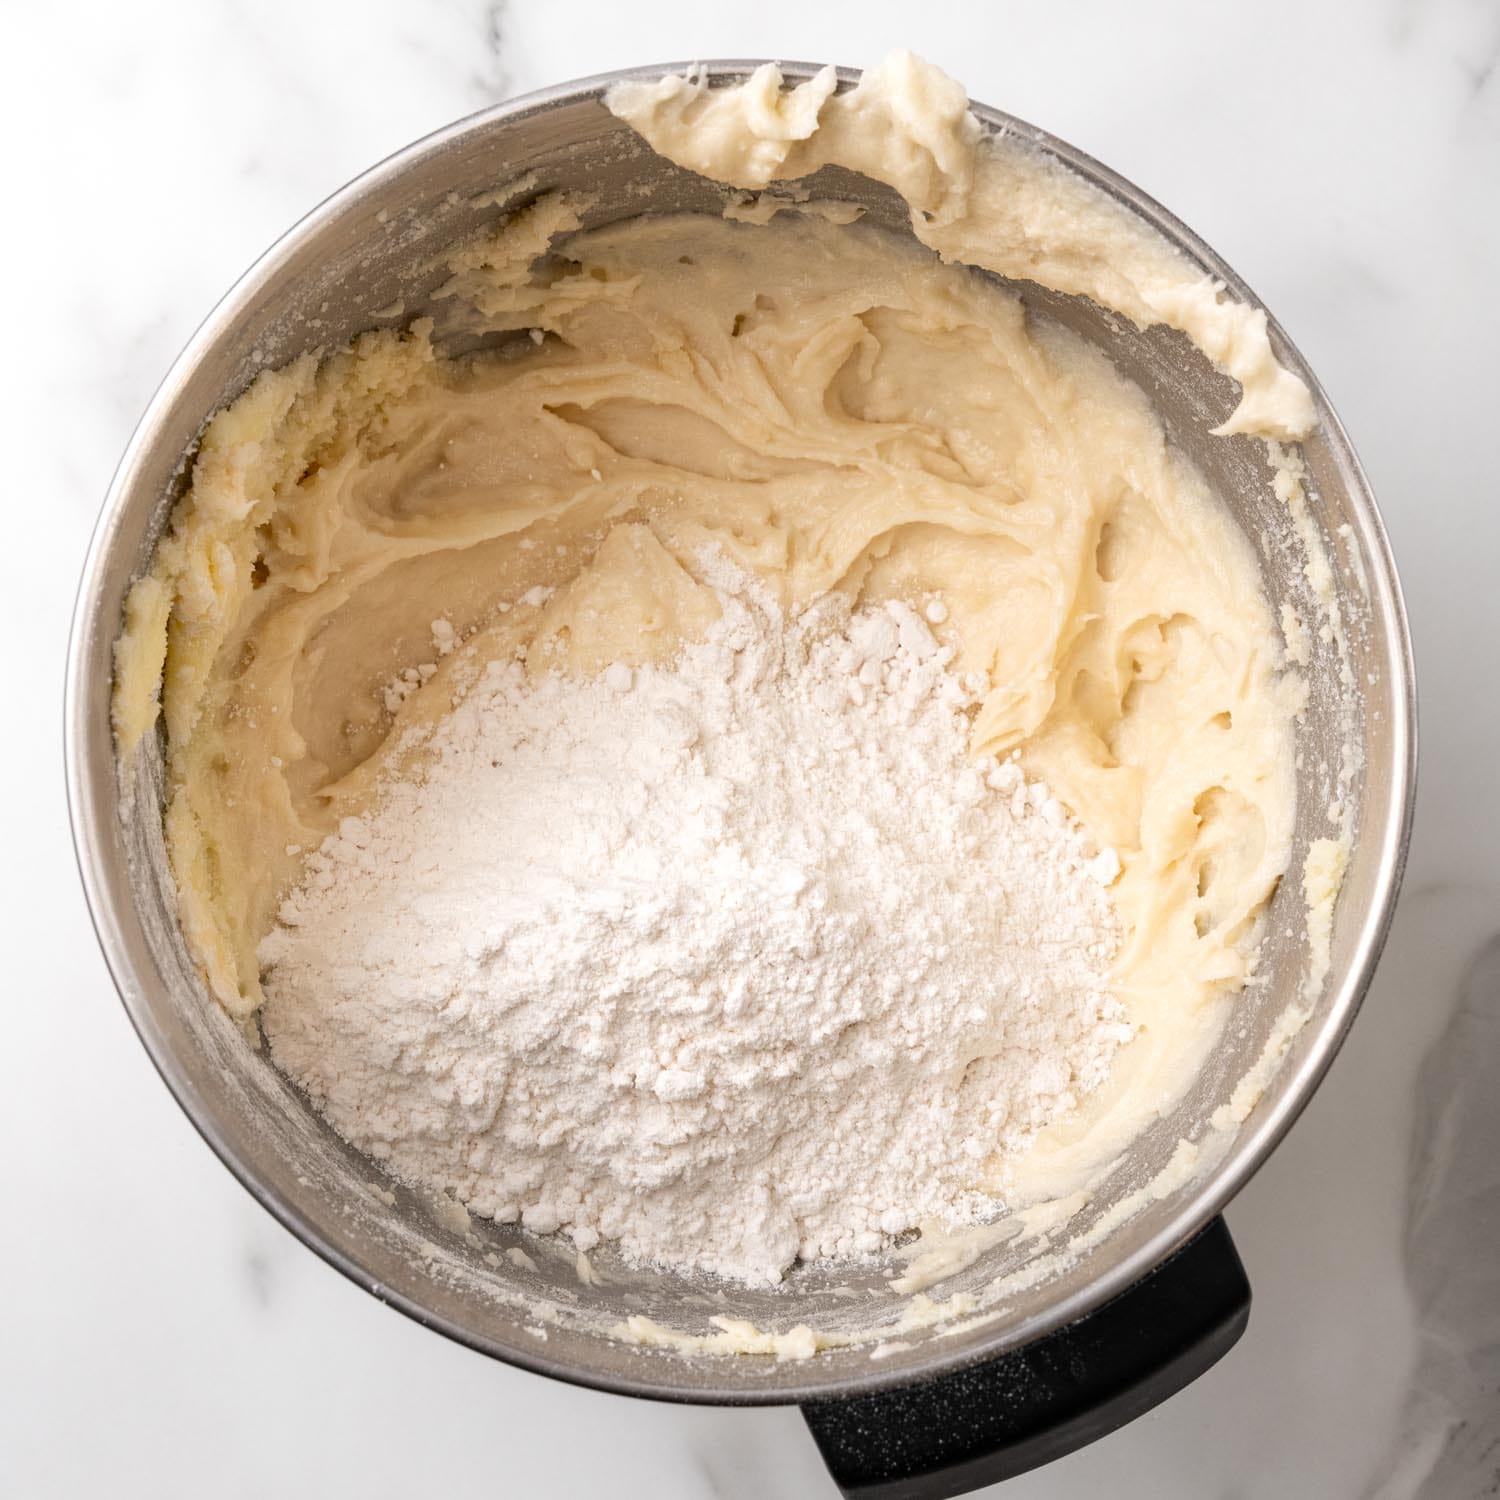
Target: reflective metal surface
x=372 y=245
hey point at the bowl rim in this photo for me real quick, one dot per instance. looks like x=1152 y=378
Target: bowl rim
x=89 y=661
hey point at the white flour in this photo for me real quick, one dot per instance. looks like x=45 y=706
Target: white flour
x=730 y=962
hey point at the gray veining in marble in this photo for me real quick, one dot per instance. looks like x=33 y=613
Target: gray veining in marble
x=1449 y=1441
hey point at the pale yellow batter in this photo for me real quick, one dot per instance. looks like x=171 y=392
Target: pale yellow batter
x=836 y=409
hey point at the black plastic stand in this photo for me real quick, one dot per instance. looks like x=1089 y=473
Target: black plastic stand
x=955 y=1433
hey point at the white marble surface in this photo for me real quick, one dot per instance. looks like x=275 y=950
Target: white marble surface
x=163 y=1336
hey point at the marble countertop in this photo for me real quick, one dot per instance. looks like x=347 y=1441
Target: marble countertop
x=164 y=1336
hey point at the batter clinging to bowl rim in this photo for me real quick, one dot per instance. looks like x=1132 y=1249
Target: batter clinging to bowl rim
x=834 y=409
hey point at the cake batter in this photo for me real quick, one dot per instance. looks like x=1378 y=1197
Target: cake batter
x=837 y=411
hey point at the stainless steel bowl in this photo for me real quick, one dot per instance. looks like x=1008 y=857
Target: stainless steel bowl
x=371 y=245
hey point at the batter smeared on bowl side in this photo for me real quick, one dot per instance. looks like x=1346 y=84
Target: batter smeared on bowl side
x=385 y=545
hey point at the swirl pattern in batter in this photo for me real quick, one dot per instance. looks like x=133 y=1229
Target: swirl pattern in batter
x=834 y=408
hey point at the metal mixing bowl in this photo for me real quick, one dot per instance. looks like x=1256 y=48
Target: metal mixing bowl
x=372 y=246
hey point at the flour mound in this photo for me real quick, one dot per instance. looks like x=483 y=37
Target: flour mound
x=730 y=962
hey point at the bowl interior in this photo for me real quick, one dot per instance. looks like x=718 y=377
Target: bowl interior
x=373 y=247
